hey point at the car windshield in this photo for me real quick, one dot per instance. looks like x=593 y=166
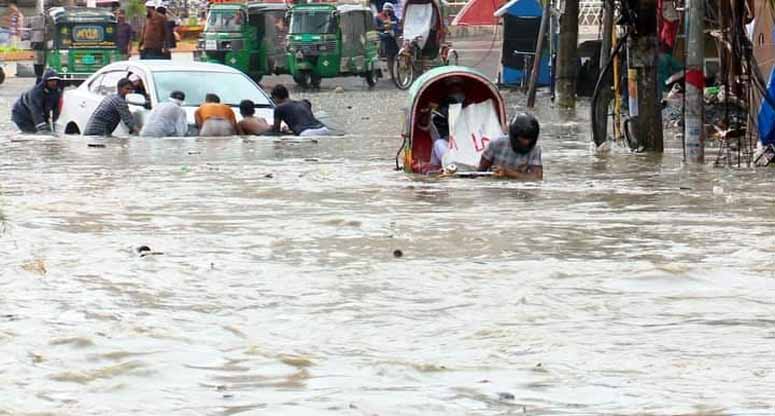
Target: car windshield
x=316 y=22
x=225 y=21
x=231 y=88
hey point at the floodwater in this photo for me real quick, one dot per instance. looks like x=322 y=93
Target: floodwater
x=621 y=284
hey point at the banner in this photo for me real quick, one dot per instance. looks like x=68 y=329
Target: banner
x=472 y=129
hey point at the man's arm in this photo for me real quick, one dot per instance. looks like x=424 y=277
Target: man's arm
x=277 y=121
x=198 y=118
x=126 y=116
x=532 y=173
x=484 y=164
x=38 y=110
x=181 y=125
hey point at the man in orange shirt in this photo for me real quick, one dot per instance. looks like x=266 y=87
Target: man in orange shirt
x=215 y=119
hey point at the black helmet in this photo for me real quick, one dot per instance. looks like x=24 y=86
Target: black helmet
x=526 y=126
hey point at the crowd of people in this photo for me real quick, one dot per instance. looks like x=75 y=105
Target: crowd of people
x=37 y=109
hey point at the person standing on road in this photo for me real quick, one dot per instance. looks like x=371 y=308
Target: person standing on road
x=167 y=119
x=37 y=109
x=516 y=155
x=112 y=110
x=13 y=20
x=215 y=119
x=124 y=35
x=169 y=35
x=297 y=115
x=153 y=41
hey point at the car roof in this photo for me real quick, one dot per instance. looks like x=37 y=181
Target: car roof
x=160 y=65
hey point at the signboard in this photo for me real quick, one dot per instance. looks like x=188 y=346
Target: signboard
x=88 y=34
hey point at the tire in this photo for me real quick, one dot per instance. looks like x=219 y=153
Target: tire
x=302 y=79
x=371 y=77
x=315 y=81
x=72 y=128
x=2 y=75
x=453 y=58
x=403 y=72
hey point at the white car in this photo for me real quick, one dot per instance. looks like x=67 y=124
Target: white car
x=160 y=78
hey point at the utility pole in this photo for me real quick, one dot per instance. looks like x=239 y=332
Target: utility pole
x=694 y=136
x=604 y=96
x=644 y=94
x=539 y=51
x=566 y=55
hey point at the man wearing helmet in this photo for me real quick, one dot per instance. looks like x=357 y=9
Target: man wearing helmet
x=516 y=155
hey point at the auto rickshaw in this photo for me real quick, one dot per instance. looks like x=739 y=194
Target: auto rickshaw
x=423 y=44
x=76 y=41
x=249 y=37
x=328 y=41
x=468 y=139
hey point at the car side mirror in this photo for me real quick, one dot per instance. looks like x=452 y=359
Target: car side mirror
x=136 y=99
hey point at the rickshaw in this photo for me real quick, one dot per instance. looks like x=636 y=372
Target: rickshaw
x=249 y=37
x=423 y=44
x=468 y=140
x=76 y=41
x=328 y=41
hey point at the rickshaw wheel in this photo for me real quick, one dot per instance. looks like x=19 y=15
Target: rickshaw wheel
x=2 y=75
x=403 y=72
x=302 y=79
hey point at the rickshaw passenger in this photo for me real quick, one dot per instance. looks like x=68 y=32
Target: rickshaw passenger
x=440 y=117
x=516 y=155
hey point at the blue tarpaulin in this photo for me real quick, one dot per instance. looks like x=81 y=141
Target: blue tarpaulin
x=766 y=117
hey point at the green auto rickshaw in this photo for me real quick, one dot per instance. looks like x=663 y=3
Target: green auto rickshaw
x=329 y=41
x=249 y=37
x=76 y=41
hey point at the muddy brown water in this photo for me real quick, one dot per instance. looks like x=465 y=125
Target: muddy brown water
x=622 y=284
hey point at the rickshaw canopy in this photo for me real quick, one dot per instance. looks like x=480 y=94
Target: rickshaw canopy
x=432 y=87
x=62 y=15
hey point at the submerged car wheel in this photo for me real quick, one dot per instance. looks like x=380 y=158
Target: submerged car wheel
x=315 y=80
x=302 y=79
x=452 y=58
x=403 y=71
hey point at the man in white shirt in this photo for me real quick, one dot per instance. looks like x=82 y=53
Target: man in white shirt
x=167 y=119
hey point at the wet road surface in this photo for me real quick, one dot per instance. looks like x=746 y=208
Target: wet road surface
x=622 y=284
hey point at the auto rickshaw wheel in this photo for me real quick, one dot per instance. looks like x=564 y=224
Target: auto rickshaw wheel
x=315 y=80
x=302 y=79
x=403 y=71
x=371 y=77
x=2 y=75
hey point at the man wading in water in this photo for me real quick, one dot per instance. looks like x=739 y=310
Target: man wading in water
x=517 y=155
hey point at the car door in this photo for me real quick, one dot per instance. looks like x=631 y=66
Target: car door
x=99 y=88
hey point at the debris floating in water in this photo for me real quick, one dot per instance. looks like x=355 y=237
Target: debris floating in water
x=146 y=251
x=398 y=253
x=100 y=145
x=505 y=396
